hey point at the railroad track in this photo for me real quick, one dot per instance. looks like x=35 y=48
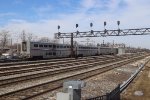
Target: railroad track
x=34 y=61
x=5 y=71
x=50 y=72
x=50 y=60
x=41 y=61
x=31 y=65
x=53 y=71
x=56 y=70
x=12 y=70
x=33 y=91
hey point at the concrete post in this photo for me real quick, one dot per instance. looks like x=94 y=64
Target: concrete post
x=72 y=89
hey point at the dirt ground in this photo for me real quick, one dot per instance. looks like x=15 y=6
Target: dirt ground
x=140 y=87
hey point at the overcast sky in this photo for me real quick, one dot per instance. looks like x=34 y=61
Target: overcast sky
x=41 y=17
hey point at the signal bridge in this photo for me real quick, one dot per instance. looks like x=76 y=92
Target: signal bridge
x=104 y=33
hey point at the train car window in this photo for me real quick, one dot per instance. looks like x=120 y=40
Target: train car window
x=45 y=45
x=54 y=46
x=50 y=46
x=50 y=53
x=24 y=46
x=54 y=53
x=40 y=45
x=35 y=45
x=57 y=46
x=61 y=46
x=67 y=46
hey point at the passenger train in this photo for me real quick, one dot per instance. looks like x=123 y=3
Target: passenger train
x=40 y=50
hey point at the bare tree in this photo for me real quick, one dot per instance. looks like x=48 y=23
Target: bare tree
x=4 y=39
x=29 y=36
x=26 y=36
x=55 y=40
x=44 y=39
x=23 y=36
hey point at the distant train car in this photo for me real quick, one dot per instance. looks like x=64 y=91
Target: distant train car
x=107 y=50
x=40 y=50
x=44 y=50
x=86 y=50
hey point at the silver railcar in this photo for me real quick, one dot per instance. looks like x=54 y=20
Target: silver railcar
x=107 y=50
x=52 y=50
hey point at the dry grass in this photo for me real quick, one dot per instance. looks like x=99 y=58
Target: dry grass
x=142 y=84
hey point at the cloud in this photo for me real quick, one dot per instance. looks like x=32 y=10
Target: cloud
x=7 y=14
x=134 y=12
x=42 y=10
x=131 y=13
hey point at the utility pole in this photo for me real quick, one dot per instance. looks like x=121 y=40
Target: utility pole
x=11 y=48
x=72 y=51
x=105 y=27
x=17 y=47
x=118 y=22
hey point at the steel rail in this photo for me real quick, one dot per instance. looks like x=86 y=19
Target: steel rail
x=115 y=64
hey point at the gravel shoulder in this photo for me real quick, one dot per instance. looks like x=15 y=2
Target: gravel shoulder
x=106 y=82
x=139 y=89
x=102 y=83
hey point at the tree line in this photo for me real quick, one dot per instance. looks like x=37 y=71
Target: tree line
x=10 y=42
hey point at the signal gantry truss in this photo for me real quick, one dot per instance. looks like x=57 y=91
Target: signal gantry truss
x=104 y=33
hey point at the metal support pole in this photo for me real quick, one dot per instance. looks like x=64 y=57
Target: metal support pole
x=118 y=22
x=11 y=48
x=17 y=47
x=72 y=51
x=63 y=41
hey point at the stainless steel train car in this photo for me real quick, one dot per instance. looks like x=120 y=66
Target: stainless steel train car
x=86 y=50
x=39 y=50
x=107 y=50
